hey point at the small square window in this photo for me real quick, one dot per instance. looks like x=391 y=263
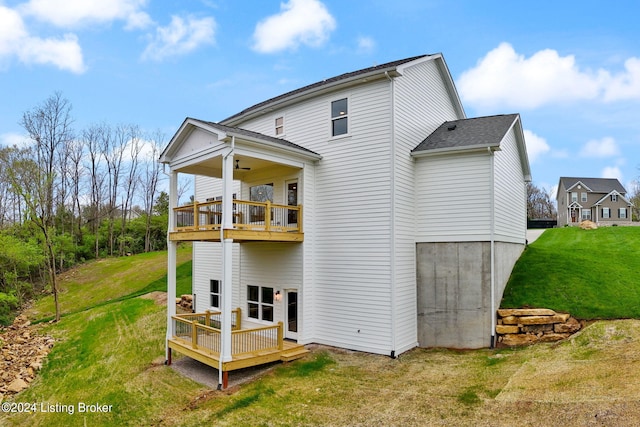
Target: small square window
x=279 y=126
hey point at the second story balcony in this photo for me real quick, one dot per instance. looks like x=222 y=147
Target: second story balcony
x=252 y=221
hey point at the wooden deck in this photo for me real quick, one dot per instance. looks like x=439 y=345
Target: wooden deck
x=196 y=336
x=252 y=221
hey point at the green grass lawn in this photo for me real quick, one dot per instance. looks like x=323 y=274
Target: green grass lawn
x=112 y=353
x=592 y=274
x=112 y=279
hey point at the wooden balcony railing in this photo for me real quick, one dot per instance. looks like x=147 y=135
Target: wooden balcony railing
x=257 y=216
x=192 y=330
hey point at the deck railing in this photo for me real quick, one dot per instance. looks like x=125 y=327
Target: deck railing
x=193 y=330
x=213 y=318
x=258 y=216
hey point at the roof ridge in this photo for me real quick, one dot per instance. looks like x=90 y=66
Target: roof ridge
x=323 y=82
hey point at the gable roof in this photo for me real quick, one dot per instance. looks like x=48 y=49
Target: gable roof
x=595 y=185
x=479 y=132
x=388 y=69
x=606 y=196
x=228 y=132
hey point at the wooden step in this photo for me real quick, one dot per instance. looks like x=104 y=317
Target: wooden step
x=293 y=354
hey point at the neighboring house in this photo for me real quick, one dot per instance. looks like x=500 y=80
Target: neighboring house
x=369 y=212
x=601 y=200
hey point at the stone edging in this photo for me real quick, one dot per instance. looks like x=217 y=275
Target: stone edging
x=524 y=326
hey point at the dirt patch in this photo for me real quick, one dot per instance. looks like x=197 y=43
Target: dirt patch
x=159 y=297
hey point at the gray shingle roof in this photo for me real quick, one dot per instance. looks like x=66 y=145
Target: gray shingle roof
x=467 y=133
x=254 y=135
x=326 y=82
x=597 y=185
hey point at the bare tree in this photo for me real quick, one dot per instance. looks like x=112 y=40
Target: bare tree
x=149 y=184
x=634 y=199
x=539 y=203
x=49 y=126
x=91 y=138
x=131 y=181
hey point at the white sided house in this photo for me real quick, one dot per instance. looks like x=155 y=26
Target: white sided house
x=364 y=211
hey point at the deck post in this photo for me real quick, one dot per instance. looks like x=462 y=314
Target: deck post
x=172 y=249
x=227 y=261
x=280 y=336
x=267 y=216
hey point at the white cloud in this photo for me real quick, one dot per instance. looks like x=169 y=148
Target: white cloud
x=536 y=145
x=15 y=41
x=366 y=44
x=504 y=77
x=625 y=85
x=306 y=22
x=612 y=172
x=181 y=36
x=74 y=13
x=10 y=139
x=605 y=147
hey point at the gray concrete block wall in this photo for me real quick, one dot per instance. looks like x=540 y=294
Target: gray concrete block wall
x=454 y=291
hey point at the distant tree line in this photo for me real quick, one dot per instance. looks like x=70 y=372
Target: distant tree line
x=540 y=203
x=74 y=195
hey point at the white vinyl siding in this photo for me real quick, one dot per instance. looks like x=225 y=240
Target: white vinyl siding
x=453 y=198
x=509 y=193
x=269 y=265
x=420 y=85
x=207 y=265
x=351 y=218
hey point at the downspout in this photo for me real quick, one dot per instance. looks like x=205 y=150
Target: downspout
x=392 y=225
x=492 y=246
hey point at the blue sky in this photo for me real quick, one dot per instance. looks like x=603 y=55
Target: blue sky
x=570 y=68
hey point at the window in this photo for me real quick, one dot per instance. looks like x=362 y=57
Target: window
x=214 y=289
x=574 y=196
x=339 y=114
x=622 y=213
x=583 y=197
x=279 y=126
x=606 y=212
x=614 y=197
x=586 y=214
x=259 y=193
x=260 y=303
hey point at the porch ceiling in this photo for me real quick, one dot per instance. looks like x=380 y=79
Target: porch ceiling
x=246 y=167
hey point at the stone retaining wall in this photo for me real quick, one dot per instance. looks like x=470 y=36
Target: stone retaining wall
x=525 y=326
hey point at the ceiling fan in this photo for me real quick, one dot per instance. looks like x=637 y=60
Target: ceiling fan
x=238 y=166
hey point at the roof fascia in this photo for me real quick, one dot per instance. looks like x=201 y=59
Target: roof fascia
x=617 y=193
x=183 y=132
x=313 y=92
x=456 y=150
x=581 y=183
x=522 y=147
x=273 y=146
x=575 y=205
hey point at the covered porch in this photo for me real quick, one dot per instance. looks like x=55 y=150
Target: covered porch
x=247 y=164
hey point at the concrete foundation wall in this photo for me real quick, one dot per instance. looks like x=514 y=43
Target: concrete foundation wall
x=454 y=291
